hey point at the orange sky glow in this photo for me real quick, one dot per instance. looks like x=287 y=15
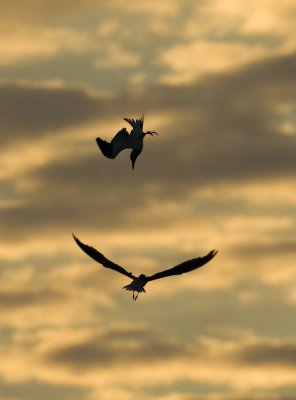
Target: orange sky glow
x=216 y=80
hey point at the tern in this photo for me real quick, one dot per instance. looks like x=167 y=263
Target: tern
x=124 y=140
x=138 y=283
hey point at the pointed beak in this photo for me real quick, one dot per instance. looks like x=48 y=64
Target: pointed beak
x=133 y=157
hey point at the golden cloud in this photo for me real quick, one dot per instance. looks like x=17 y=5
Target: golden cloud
x=26 y=44
x=138 y=355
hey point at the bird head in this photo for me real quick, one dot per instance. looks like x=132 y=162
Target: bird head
x=133 y=157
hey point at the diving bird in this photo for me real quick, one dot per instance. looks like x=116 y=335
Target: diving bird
x=138 y=283
x=124 y=140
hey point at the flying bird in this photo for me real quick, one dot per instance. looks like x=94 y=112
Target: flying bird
x=124 y=140
x=138 y=283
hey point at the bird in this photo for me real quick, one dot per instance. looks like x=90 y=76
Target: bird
x=138 y=283
x=124 y=140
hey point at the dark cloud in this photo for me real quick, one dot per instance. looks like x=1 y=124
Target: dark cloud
x=28 y=297
x=113 y=348
x=109 y=349
x=213 y=310
x=281 y=353
x=40 y=11
x=236 y=132
x=35 y=390
x=224 y=394
x=265 y=249
x=30 y=112
x=221 y=130
x=70 y=196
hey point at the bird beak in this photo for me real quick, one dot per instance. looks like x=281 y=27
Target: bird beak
x=133 y=158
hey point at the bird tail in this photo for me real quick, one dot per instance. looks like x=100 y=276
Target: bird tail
x=105 y=147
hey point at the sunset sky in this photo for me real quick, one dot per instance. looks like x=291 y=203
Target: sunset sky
x=217 y=80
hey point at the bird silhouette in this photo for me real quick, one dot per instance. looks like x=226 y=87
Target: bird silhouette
x=124 y=140
x=138 y=283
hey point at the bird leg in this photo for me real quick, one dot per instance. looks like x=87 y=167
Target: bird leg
x=136 y=286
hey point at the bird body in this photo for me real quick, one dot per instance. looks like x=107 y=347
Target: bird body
x=124 y=140
x=138 y=283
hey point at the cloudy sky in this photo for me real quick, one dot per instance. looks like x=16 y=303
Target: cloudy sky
x=216 y=79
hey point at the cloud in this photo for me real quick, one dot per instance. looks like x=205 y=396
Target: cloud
x=208 y=359
x=33 y=390
x=248 y=150
x=24 y=44
x=40 y=11
x=221 y=37
x=198 y=58
x=48 y=9
x=273 y=353
x=114 y=57
x=25 y=298
x=115 y=347
x=222 y=394
x=57 y=355
x=158 y=41
x=50 y=289
x=218 y=175
x=141 y=345
x=30 y=110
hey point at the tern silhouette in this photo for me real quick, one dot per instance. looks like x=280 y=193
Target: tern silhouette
x=124 y=140
x=138 y=283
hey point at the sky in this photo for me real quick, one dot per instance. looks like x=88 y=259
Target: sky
x=216 y=79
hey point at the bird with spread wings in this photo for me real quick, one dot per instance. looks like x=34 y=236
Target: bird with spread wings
x=124 y=140
x=138 y=283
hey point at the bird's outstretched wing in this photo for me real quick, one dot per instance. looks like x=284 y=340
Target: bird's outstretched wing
x=135 y=123
x=120 y=142
x=186 y=266
x=101 y=259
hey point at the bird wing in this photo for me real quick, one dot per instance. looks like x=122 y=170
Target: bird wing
x=186 y=266
x=138 y=123
x=101 y=259
x=120 y=141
